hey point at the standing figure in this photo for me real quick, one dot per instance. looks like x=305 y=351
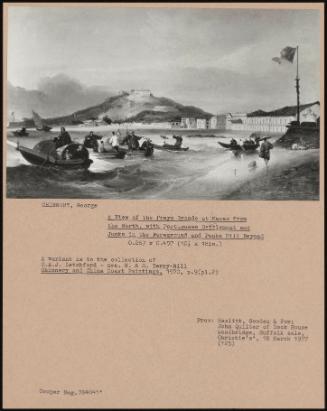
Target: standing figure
x=114 y=141
x=265 y=148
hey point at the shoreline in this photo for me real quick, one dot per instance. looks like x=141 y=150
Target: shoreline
x=188 y=132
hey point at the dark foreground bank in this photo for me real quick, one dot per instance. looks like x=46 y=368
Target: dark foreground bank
x=296 y=181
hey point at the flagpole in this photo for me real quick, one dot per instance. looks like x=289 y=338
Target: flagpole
x=297 y=86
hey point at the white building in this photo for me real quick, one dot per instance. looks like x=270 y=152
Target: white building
x=235 y=121
x=201 y=123
x=277 y=120
x=219 y=121
x=188 y=122
x=141 y=93
x=267 y=121
x=175 y=123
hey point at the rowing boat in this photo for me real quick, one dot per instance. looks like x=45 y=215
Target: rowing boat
x=169 y=147
x=248 y=146
x=20 y=133
x=44 y=154
x=234 y=147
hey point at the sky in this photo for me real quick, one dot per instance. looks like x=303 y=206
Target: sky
x=218 y=60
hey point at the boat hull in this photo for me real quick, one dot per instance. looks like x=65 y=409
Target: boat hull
x=112 y=154
x=169 y=148
x=139 y=153
x=45 y=160
x=19 y=134
x=246 y=148
x=235 y=147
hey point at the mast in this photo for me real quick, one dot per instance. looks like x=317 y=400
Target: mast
x=297 y=86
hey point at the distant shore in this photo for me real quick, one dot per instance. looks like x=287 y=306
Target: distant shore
x=214 y=133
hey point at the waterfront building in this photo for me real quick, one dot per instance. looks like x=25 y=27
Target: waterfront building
x=213 y=122
x=175 y=123
x=141 y=93
x=188 y=122
x=201 y=123
x=235 y=121
x=218 y=122
x=277 y=120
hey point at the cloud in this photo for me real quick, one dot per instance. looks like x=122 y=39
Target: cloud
x=55 y=96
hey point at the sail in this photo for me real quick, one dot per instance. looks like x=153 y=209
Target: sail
x=37 y=120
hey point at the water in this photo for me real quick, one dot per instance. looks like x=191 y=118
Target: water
x=205 y=171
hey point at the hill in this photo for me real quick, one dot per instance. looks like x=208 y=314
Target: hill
x=132 y=107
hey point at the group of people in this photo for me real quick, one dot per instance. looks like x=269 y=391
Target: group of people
x=250 y=141
x=116 y=140
x=135 y=142
x=66 y=148
x=96 y=142
x=265 y=147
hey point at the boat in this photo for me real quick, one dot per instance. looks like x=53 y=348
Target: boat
x=20 y=133
x=234 y=147
x=110 y=154
x=248 y=145
x=169 y=147
x=45 y=154
x=141 y=152
x=102 y=150
x=39 y=123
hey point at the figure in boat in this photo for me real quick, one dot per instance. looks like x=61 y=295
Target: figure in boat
x=114 y=141
x=21 y=133
x=177 y=146
x=132 y=141
x=138 y=143
x=178 y=141
x=63 y=138
x=233 y=142
x=249 y=145
x=92 y=141
x=60 y=152
x=107 y=146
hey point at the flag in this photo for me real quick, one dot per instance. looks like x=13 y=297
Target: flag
x=287 y=54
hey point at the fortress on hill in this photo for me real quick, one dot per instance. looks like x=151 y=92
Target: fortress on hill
x=141 y=93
